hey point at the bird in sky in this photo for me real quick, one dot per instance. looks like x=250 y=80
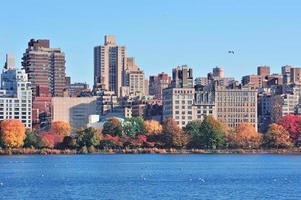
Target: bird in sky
x=231 y=52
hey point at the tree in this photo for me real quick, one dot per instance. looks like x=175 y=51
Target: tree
x=112 y=127
x=152 y=127
x=88 y=137
x=60 y=128
x=110 y=142
x=292 y=124
x=245 y=136
x=47 y=140
x=172 y=135
x=12 y=133
x=209 y=133
x=69 y=142
x=133 y=127
x=276 y=136
x=32 y=139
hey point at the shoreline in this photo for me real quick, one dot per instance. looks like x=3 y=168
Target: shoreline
x=29 y=151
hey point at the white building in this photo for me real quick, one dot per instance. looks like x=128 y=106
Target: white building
x=15 y=95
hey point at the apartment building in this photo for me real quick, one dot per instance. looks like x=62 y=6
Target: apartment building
x=236 y=104
x=15 y=94
x=109 y=65
x=45 y=67
x=157 y=83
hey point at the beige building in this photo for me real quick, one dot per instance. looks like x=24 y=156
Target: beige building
x=134 y=78
x=75 y=110
x=236 y=105
x=109 y=65
x=178 y=104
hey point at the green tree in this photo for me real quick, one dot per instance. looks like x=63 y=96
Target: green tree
x=112 y=127
x=69 y=142
x=209 y=133
x=133 y=127
x=32 y=139
x=87 y=137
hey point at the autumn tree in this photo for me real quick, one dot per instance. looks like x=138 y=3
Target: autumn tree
x=245 y=136
x=47 y=140
x=12 y=133
x=152 y=127
x=276 y=136
x=208 y=133
x=172 y=135
x=133 y=127
x=60 y=128
x=112 y=127
x=292 y=124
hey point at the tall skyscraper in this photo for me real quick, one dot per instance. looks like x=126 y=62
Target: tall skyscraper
x=45 y=67
x=109 y=65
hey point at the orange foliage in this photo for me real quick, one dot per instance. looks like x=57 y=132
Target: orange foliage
x=245 y=137
x=174 y=135
x=277 y=136
x=152 y=127
x=12 y=133
x=60 y=128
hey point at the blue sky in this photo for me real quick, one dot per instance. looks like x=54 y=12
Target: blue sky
x=161 y=34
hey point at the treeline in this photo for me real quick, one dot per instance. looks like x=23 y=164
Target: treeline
x=136 y=133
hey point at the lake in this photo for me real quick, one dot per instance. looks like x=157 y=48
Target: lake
x=150 y=176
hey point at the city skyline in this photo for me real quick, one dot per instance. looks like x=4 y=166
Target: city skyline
x=161 y=37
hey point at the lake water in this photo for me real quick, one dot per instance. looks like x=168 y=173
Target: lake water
x=150 y=177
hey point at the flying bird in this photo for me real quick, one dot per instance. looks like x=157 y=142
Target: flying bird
x=231 y=52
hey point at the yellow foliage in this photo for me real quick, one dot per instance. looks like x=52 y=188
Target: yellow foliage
x=60 y=128
x=12 y=133
x=152 y=127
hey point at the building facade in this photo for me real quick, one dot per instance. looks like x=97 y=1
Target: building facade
x=178 y=104
x=236 y=105
x=182 y=77
x=109 y=65
x=74 y=110
x=157 y=83
x=45 y=67
x=15 y=96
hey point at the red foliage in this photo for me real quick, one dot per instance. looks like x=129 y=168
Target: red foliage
x=114 y=139
x=48 y=139
x=292 y=124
